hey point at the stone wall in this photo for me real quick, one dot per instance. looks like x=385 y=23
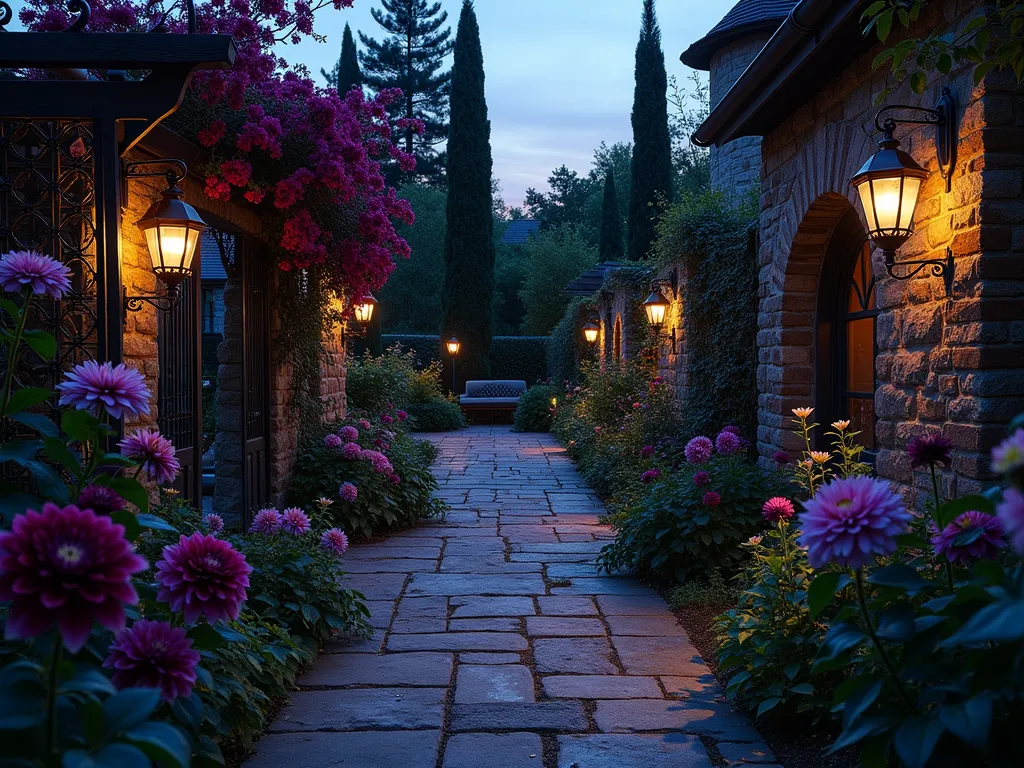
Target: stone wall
x=951 y=365
x=672 y=358
x=736 y=166
x=332 y=374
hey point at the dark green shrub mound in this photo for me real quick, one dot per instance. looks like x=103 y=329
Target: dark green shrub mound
x=533 y=413
x=435 y=416
x=566 y=347
x=676 y=532
x=520 y=357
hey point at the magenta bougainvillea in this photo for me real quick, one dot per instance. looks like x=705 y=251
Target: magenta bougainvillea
x=308 y=159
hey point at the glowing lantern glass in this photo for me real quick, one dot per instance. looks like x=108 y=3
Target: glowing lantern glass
x=656 y=305
x=591 y=331
x=453 y=345
x=363 y=309
x=888 y=185
x=172 y=228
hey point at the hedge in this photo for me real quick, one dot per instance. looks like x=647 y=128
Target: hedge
x=512 y=357
x=566 y=346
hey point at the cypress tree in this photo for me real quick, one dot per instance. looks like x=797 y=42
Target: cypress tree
x=611 y=224
x=651 y=168
x=468 y=300
x=346 y=74
x=410 y=58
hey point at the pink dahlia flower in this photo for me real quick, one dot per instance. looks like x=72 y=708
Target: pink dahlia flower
x=348 y=492
x=781 y=458
x=154 y=452
x=650 y=476
x=45 y=276
x=351 y=452
x=1011 y=514
x=728 y=443
x=929 y=450
x=153 y=654
x=378 y=461
x=68 y=567
x=93 y=387
x=1008 y=456
x=100 y=500
x=267 y=521
x=203 y=576
x=332 y=441
x=851 y=521
x=975 y=546
x=395 y=479
x=711 y=499
x=387 y=419
x=295 y=521
x=334 y=541
x=777 y=508
x=348 y=434
x=402 y=415
x=364 y=424
x=214 y=523
x=698 y=450
x=647 y=451
x=701 y=479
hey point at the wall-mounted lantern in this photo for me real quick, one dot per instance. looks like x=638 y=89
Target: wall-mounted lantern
x=656 y=307
x=591 y=330
x=172 y=228
x=364 y=308
x=889 y=184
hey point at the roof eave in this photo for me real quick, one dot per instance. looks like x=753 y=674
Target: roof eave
x=800 y=55
x=699 y=55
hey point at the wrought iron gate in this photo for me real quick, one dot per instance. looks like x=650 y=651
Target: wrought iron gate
x=255 y=378
x=48 y=204
x=179 y=391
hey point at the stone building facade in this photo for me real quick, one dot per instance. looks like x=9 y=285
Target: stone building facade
x=898 y=357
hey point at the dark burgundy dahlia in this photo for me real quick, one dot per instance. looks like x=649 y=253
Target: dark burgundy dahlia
x=153 y=654
x=203 y=576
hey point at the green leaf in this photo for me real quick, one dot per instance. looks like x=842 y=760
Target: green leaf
x=840 y=638
x=767 y=705
x=12 y=504
x=42 y=343
x=155 y=523
x=121 y=756
x=916 y=739
x=10 y=307
x=20 y=451
x=37 y=421
x=26 y=397
x=189 y=710
x=130 y=707
x=310 y=613
x=50 y=484
x=884 y=25
x=859 y=701
x=805 y=689
x=969 y=720
x=88 y=679
x=873 y=9
x=55 y=450
x=823 y=589
x=917 y=82
x=900 y=576
x=161 y=742
x=80 y=426
x=791 y=670
x=132 y=529
x=1001 y=621
x=131 y=490
x=205 y=638
x=944 y=63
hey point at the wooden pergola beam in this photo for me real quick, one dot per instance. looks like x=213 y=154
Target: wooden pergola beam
x=114 y=50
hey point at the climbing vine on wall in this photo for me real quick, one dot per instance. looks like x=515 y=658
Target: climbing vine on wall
x=715 y=239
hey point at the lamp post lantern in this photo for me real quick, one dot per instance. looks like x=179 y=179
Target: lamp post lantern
x=453 y=345
x=364 y=308
x=591 y=331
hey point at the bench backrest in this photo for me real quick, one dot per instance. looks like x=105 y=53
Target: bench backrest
x=495 y=388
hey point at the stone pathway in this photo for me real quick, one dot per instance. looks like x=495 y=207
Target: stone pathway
x=498 y=643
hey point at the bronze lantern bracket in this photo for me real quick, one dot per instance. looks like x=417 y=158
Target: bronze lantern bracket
x=943 y=117
x=169 y=300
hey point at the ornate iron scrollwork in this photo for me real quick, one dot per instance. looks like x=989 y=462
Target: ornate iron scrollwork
x=81 y=7
x=6 y=14
x=944 y=268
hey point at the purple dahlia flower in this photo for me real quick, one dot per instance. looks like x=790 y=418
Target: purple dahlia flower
x=348 y=492
x=334 y=541
x=153 y=654
x=294 y=521
x=154 y=452
x=699 y=450
x=100 y=500
x=203 y=576
x=91 y=386
x=959 y=543
x=45 y=276
x=266 y=521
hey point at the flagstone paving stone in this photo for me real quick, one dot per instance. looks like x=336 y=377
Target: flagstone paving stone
x=477 y=615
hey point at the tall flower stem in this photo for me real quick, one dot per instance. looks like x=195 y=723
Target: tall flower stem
x=12 y=354
x=938 y=524
x=878 y=643
x=51 y=699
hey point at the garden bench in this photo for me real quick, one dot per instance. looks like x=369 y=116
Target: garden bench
x=491 y=398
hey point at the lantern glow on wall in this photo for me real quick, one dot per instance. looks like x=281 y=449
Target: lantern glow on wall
x=889 y=184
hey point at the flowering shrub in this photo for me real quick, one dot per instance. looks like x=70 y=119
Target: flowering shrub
x=535 y=410
x=396 y=378
x=130 y=639
x=377 y=483
x=307 y=159
x=692 y=519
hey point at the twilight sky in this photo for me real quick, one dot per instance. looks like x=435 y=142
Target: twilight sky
x=559 y=72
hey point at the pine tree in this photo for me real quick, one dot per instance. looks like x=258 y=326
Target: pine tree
x=346 y=74
x=411 y=59
x=611 y=223
x=651 y=169
x=469 y=241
